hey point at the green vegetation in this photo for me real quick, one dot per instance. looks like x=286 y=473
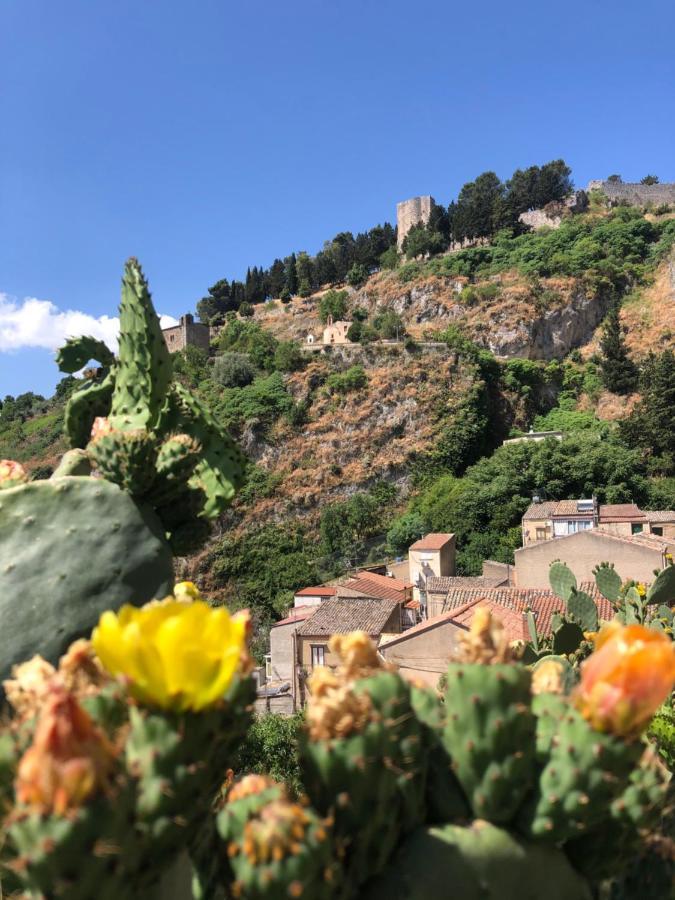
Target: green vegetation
x=651 y=426
x=271 y=748
x=333 y=304
x=606 y=253
x=233 y=369
x=619 y=372
x=352 y=379
x=485 y=505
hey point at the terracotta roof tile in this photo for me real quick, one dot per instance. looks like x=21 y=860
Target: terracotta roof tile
x=341 y=615
x=385 y=580
x=660 y=515
x=621 y=512
x=441 y=584
x=512 y=620
x=366 y=587
x=542 y=510
x=321 y=590
x=541 y=601
x=434 y=541
x=297 y=614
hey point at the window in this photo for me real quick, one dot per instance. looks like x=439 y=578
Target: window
x=541 y=534
x=636 y=528
x=268 y=667
x=318 y=655
x=657 y=529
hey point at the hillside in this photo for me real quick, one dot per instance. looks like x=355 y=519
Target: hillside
x=357 y=449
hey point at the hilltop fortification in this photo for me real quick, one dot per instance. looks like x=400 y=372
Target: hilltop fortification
x=635 y=194
x=410 y=213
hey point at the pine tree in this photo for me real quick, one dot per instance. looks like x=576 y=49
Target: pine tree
x=652 y=422
x=619 y=373
x=291 y=275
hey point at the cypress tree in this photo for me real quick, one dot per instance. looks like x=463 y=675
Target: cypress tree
x=619 y=373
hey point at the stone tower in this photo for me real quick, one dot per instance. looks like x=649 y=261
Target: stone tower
x=412 y=212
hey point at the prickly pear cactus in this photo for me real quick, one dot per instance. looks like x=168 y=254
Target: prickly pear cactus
x=71 y=548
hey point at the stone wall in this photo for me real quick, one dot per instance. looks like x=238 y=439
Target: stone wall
x=635 y=194
x=187 y=332
x=412 y=212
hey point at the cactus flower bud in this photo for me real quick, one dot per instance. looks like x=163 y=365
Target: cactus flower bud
x=625 y=680
x=175 y=655
x=11 y=473
x=69 y=759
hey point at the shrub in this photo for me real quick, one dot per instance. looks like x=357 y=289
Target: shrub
x=288 y=357
x=389 y=259
x=352 y=379
x=246 y=309
x=389 y=324
x=246 y=336
x=233 y=370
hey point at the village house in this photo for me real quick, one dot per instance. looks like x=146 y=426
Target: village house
x=424 y=652
x=547 y=519
x=430 y=557
x=340 y=615
x=634 y=556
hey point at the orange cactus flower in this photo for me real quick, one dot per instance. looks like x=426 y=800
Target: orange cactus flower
x=69 y=759
x=625 y=680
x=12 y=473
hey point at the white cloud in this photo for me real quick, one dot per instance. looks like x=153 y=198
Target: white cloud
x=40 y=323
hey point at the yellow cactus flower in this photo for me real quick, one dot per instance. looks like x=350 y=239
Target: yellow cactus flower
x=175 y=655
x=186 y=591
x=626 y=678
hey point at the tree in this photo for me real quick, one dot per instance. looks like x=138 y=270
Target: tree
x=615 y=179
x=304 y=269
x=405 y=530
x=291 y=275
x=652 y=423
x=650 y=179
x=334 y=304
x=276 y=278
x=619 y=373
x=357 y=275
x=233 y=370
x=246 y=310
x=305 y=288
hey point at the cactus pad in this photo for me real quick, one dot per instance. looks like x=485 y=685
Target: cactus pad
x=489 y=733
x=71 y=548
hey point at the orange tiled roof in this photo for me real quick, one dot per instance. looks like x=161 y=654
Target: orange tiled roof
x=368 y=588
x=512 y=620
x=385 y=579
x=541 y=601
x=432 y=542
x=297 y=614
x=321 y=590
x=621 y=512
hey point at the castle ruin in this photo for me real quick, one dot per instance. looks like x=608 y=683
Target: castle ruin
x=635 y=194
x=410 y=213
x=187 y=332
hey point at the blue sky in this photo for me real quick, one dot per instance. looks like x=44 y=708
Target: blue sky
x=207 y=136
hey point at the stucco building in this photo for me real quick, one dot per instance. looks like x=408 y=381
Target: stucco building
x=635 y=556
x=431 y=556
x=549 y=519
